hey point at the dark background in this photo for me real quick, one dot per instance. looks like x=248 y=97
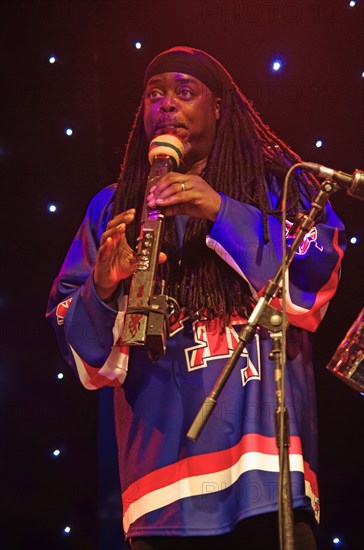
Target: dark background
x=94 y=88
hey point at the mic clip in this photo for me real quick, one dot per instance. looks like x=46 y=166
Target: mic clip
x=296 y=224
x=302 y=221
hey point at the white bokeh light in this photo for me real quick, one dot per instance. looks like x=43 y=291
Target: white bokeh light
x=277 y=65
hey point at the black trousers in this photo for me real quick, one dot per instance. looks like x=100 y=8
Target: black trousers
x=256 y=533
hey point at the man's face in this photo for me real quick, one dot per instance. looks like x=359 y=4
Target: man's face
x=176 y=103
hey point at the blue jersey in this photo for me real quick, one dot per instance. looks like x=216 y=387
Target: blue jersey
x=170 y=484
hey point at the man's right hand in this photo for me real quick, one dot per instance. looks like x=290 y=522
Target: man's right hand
x=115 y=259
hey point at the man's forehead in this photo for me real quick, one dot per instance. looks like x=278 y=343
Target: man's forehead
x=173 y=77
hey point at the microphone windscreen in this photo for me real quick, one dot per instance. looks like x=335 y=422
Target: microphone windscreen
x=166 y=144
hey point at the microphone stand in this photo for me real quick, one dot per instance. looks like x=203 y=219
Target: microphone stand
x=269 y=317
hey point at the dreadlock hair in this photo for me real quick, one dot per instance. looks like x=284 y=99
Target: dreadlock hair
x=244 y=152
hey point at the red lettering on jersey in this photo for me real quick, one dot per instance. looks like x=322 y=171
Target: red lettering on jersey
x=250 y=372
x=211 y=342
x=177 y=325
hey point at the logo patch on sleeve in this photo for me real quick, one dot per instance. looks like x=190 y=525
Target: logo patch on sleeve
x=61 y=310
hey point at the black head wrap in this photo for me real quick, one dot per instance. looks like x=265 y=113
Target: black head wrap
x=193 y=62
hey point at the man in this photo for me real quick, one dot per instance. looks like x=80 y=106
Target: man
x=222 y=244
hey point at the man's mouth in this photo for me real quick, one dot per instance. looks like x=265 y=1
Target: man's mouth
x=167 y=127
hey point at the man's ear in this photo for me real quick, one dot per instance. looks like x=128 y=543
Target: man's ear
x=217 y=107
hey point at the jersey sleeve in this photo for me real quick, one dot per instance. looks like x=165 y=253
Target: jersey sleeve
x=86 y=328
x=237 y=237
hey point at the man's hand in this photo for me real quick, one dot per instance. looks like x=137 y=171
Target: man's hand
x=185 y=194
x=115 y=259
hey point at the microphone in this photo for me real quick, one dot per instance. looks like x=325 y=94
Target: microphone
x=354 y=184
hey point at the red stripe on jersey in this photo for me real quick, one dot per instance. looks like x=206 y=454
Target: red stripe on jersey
x=310 y=476
x=97 y=379
x=204 y=464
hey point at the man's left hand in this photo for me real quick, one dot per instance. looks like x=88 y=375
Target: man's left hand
x=185 y=194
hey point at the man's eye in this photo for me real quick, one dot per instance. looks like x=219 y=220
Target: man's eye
x=154 y=94
x=185 y=93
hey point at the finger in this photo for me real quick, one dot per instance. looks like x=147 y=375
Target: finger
x=114 y=257
x=113 y=232
x=175 y=196
x=124 y=217
x=166 y=181
x=131 y=258
x=176 y=190
x=162 y=258
x=106 y=250
x=177 y=209
x=124 y=253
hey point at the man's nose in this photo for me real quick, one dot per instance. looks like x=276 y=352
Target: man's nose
x=168 y=104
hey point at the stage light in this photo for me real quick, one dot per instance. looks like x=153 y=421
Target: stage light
x=52 y=208
x=56 y=452
x=353 y=240
x=336 y=540
x=60 y=375
x=138 y=45
x=352 y=3
x=362 y=74
x=52 y=59
x=319 y=143
x=69 y=131
x=67 y=530
x=277 y=65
